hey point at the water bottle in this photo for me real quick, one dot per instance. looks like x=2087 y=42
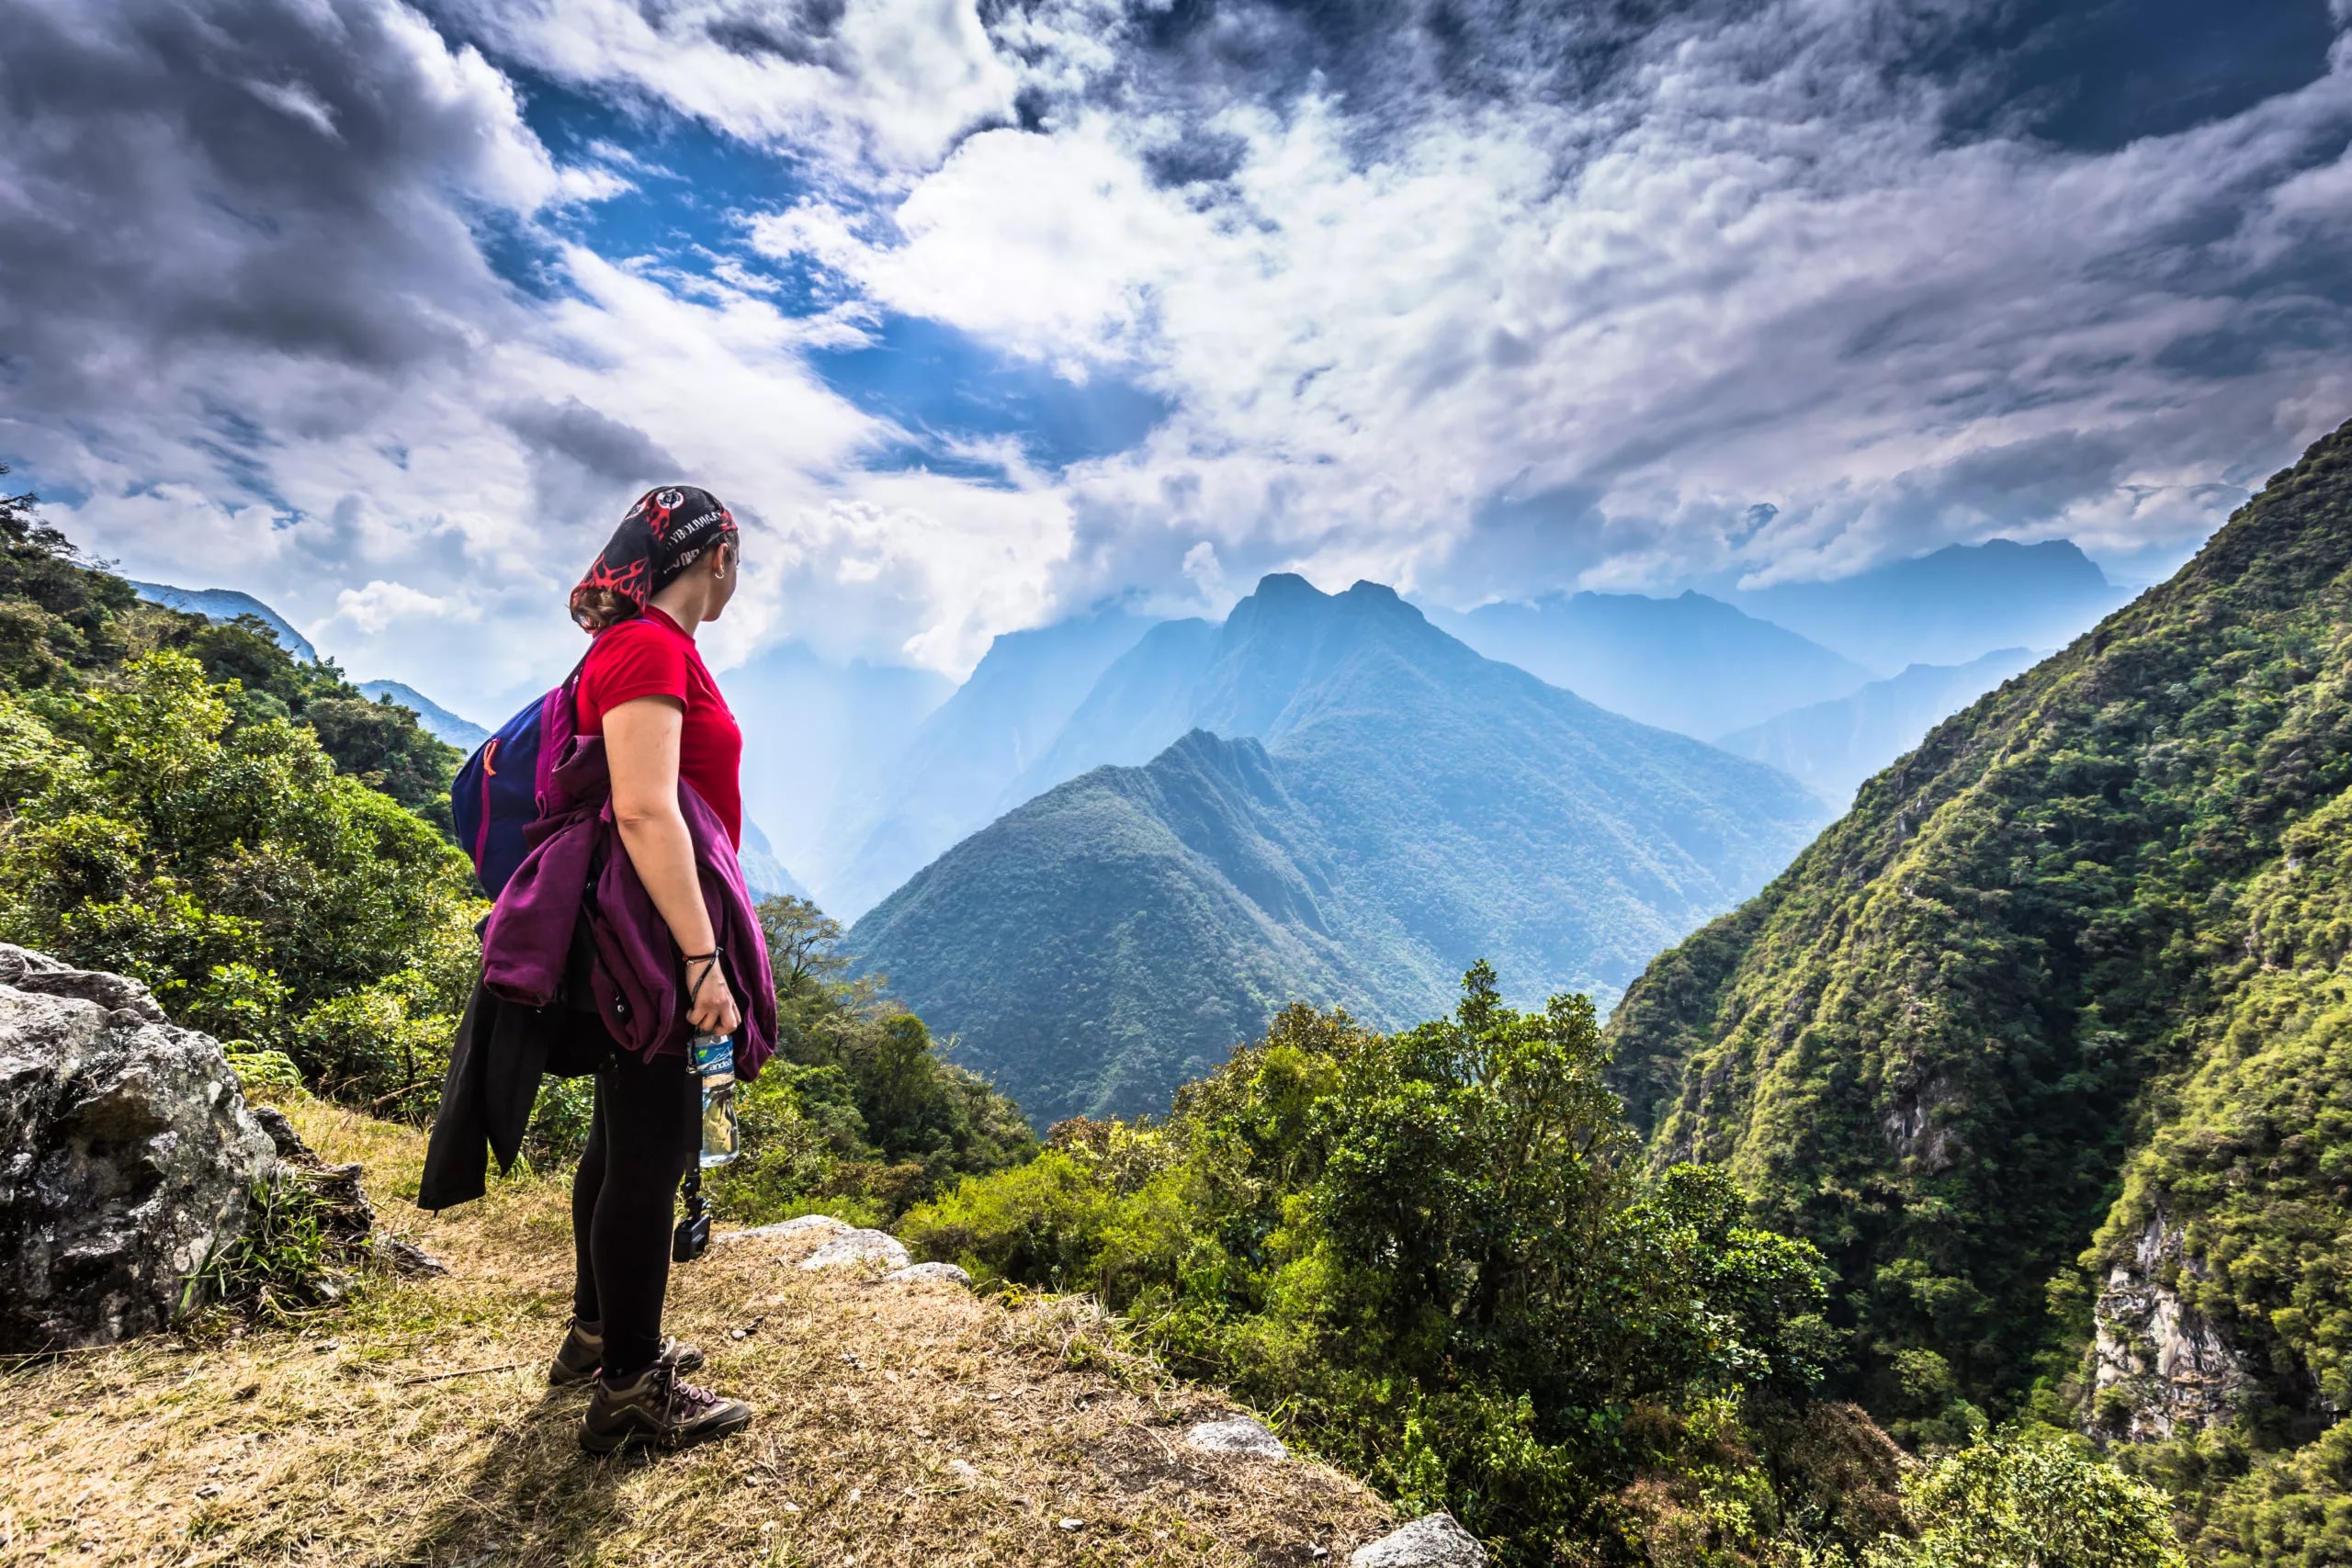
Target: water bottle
x=714 y=1064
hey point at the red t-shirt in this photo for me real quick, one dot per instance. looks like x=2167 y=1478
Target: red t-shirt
x=651 y=656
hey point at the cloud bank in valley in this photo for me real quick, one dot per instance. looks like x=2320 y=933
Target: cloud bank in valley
x=979 y=315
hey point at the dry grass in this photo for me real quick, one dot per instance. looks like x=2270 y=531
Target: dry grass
x=898 y=1425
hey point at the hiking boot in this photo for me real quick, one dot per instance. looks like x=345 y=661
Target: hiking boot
x=583 y=1352
x=658 y=1407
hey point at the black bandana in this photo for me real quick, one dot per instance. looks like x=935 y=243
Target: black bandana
x=667 y=531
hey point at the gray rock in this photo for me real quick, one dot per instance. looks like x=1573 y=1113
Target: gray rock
x=1236 y=1435
x=129 y=1155
x=944 y=1271
x=822 y=1224
x=288 y=1143
x=2159 y=1366
x=859 y=1249
x=1433 y=1540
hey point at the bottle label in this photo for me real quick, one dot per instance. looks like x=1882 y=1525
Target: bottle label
x=714 y=1057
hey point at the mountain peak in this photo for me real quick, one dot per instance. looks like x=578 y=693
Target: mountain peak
x=1285 y=587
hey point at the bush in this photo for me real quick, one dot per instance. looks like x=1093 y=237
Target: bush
x=861 y=1115
x=178 y=803
x=1433 y=1251
x=2039 y=1499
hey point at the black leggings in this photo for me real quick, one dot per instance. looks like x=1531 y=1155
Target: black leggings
x=623 y=1202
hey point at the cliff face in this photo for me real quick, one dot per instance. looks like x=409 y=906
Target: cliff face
x=2159 y=1366
x=2068 y=976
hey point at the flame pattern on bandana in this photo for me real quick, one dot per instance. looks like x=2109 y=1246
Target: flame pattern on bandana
x=669 y=529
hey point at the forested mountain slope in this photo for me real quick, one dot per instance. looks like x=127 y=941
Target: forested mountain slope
x=1389 y=809
x=2070 y=972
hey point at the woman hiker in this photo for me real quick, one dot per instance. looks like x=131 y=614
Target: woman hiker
x=669 y=567
x=665 y=944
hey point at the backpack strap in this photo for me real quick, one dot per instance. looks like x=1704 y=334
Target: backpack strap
x=558 y=722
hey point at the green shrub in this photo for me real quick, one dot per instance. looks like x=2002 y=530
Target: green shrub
x=560 y=1121
x=861 y=1113
x=1431 y=1252
x=2039 y=1499
x=179 y=803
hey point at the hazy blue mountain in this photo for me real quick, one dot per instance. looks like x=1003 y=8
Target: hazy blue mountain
x=1690 y=663
x=1143 y=701
x=1954 y=606
x=953 y=776
x=439 y=721
x=1833 y=746
x=227 y=604
x=817 y=738
x=1388 y=807
x=763 y=873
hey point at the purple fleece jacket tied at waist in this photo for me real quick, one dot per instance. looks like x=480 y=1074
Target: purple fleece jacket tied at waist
x=637 y=977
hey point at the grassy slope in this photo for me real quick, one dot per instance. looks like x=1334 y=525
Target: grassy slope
x=1932 y=1042
x=326 y=1448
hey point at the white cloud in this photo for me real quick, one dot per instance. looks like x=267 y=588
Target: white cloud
x=381 y=604
x=882 y=84
x=1747 y=274
x=1477 y=343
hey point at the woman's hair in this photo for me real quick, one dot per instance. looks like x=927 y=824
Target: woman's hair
x=667 y=531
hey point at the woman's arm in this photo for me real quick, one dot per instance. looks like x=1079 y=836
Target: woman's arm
x=641 y=747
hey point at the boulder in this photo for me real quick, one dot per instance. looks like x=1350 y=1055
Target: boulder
x=947 y=1273
x=1236 y=1435
x=859 y=1249
x=819 y=1224
x=127 y=1156
x=1433 y=1540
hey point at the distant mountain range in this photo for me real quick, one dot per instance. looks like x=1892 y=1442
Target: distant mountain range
x=1692 y=663
x=1363 y=806
x=1833 y=746
x=462 y=733
x=958 y=771
x=866 y=772
x=227 y=604
x=1947 y=607
x=763 y=873
x=818 y=741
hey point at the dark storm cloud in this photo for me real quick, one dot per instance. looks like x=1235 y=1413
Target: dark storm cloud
x=584 y=464
x=259 y=176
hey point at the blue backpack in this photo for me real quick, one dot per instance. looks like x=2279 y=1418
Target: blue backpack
x=498 y=793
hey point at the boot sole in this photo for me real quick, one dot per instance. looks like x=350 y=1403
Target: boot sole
x=601 y=1444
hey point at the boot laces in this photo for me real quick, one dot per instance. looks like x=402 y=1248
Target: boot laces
x=688 y=1400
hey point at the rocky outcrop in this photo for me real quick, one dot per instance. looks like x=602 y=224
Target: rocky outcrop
x=1431 y=1541
x=2158 y=1367
x=859 y=1249
x=944 y=1273
x=1236 y=1435
x=127 y=1156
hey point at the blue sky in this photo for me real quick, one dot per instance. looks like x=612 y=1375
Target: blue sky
x=382 y=311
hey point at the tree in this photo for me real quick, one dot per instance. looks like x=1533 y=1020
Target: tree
x=2034 y=1500
x=1434 y=1250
